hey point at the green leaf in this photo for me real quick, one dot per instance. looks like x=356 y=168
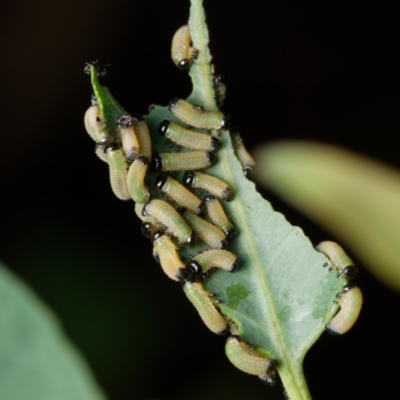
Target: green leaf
x=37 y=361
x=281 y=297
x=352 y=196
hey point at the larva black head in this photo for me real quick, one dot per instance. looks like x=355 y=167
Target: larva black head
x=195 y=267
x=248 y=171
x=231 y=233
x=192 y=240
x=143 y=160
x=147 y=229
x=184 y=64
x=131 y=155
x=226 y=123
x=104 y=143
x=184 y=275
x=111 y=147
x=157 y=163
x=234 y=266
x=157 y=235
x=188 y=177
x=137 y=117
x=210 y=157
x=163 y=127
x=227 y=195
x=172 y=103
x=160 y=181
x=215 y=143
x=124 y=121
x=223 y=244
x=349 y=272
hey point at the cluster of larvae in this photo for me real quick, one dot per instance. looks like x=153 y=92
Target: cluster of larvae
x=350 y=298
x=131 y=158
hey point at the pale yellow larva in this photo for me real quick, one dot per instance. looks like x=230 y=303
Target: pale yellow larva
x=182 y=53
x=350 y=303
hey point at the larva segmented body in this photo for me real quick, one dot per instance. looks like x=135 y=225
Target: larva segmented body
x=177 y=192
x=170 y=261
x=135 y=180
x=169 y=217
x=350 y=302
x=183 y=161
x=215 y=258
x=194 y=115
x=210 y=183
x=205 y=230
x=218 y=216
x=339 y=259
x=182 y=53
x=243 y=155
x=206 y=308
x=187 y=138
x=241 y=355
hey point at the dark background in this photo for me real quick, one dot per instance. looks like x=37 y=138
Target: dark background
x=327 y=71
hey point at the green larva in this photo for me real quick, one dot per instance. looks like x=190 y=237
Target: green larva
x=118 y=171
x=205 y=230
x=187 y=138
x=241 y=355
x=194 y=115
x=177 y=192
x=206 y=308
x=135 y=180
x=210 y=183
x=339 y=259
x=350 y=303
x=215 y=258
x=218 y=216
x=243 y=155
x=181 y=52
x=183 y=161
x=169 y=217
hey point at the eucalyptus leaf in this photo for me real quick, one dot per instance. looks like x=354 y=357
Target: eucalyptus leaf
x=353 y=196
x=37 y=361
x=281 y=297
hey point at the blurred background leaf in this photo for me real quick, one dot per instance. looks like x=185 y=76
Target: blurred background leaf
x=354 y=197
x=37 y=361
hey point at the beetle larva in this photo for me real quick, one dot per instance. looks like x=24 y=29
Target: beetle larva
x=94 y=126
x=194 y=115
x=128 y=137
x=205 y=230
x=143 y=135
x=181 y=52
x=177 y=192
x=339 y=259
x=135 y=180
x=183 y=161
x=243 y=155
x=241 y=355
x=206 y=308
x=215 y=258
x=170 y=261
x=210 y=183
x=220 y=89
x=118 y=171
x=218 y=216
x=169 y=217
x=350 y=303
x=187 y=138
